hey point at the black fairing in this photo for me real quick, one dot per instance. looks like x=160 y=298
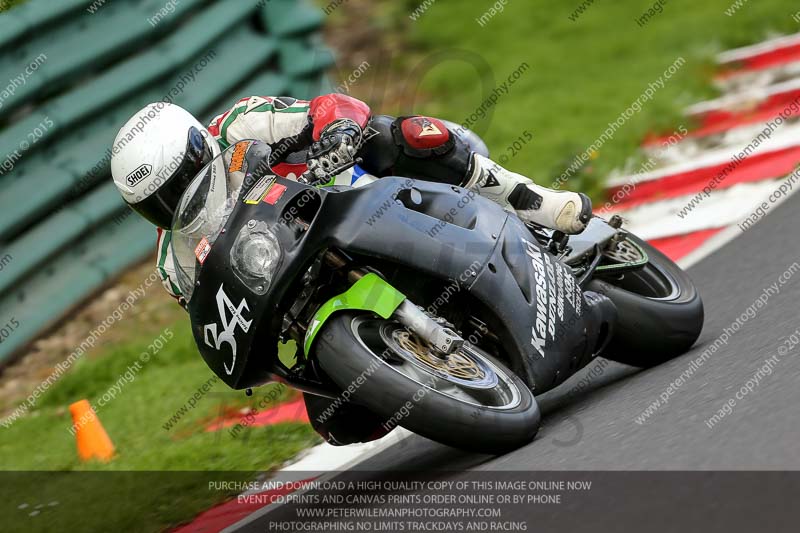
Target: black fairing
x=400 y=221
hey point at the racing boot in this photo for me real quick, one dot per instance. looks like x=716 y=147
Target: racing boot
x=564 y=211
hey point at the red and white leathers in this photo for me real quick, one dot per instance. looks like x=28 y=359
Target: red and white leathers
x=287 y=124
x=416 y=147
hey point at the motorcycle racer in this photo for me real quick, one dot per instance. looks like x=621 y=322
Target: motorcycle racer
x=159 y=151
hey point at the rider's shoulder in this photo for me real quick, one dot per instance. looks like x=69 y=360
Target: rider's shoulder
x=257 y=150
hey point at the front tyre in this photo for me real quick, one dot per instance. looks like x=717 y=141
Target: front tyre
x=469 y=400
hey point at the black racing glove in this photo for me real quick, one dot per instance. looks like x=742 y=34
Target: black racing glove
x=335 y=151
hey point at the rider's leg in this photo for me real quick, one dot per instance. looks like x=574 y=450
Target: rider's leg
x=423 y=148
x=563 y=210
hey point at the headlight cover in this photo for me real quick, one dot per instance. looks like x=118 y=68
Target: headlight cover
x=255 y=256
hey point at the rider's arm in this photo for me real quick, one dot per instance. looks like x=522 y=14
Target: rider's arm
x=263 y=118
x=272 y=119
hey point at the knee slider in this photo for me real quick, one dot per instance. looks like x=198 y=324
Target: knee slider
x=422 y=137
x=428 y=150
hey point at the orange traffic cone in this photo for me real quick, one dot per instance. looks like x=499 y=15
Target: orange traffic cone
x=92 y=439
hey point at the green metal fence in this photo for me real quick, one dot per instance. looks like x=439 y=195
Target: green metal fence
x=76 y=70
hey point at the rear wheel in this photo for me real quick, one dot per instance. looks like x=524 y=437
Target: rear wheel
x=467 y=399
x=659 y=311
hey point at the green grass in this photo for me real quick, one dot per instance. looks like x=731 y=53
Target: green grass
x=134 y=420
x=582 y=74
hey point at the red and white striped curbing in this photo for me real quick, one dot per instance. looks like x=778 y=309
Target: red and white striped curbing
x=762 y=64
x=735 y=112
x=764 y=55
x=675 y=206
x=773 y=158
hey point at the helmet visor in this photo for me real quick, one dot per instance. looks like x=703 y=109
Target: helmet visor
x=160 y=205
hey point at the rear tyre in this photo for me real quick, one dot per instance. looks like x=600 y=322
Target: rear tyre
x=659 y=311
x=482 y=406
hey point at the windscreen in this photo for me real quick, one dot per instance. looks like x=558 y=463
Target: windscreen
x=202 y=212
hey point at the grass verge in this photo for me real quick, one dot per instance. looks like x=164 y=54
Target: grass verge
x=581 y=74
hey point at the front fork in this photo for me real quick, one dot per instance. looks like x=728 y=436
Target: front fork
x=370 y=292
x=439 y=337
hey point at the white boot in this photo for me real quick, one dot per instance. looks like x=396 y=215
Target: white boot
x=565 y=211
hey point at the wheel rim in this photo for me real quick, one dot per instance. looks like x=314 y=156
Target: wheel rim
x=626 y=252
x=477 y=380
x=464 y=367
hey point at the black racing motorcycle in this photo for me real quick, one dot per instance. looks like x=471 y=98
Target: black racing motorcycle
x=431 y=306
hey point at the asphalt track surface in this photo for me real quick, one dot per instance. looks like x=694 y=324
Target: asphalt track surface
x=596 y=429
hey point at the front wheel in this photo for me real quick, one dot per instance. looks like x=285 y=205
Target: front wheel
x=467 y=400
x=659 y=311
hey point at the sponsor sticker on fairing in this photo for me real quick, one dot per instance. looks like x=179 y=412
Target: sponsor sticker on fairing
x=274 y=193
x=237 y=159
x=540 y=328
x=257 y=192
x=202 y=250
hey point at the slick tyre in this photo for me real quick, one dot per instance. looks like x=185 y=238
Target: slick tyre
x=492 y=413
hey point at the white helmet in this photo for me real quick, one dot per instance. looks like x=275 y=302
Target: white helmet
x=155 y=156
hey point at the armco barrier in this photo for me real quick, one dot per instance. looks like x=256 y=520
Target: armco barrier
x=82 y=67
